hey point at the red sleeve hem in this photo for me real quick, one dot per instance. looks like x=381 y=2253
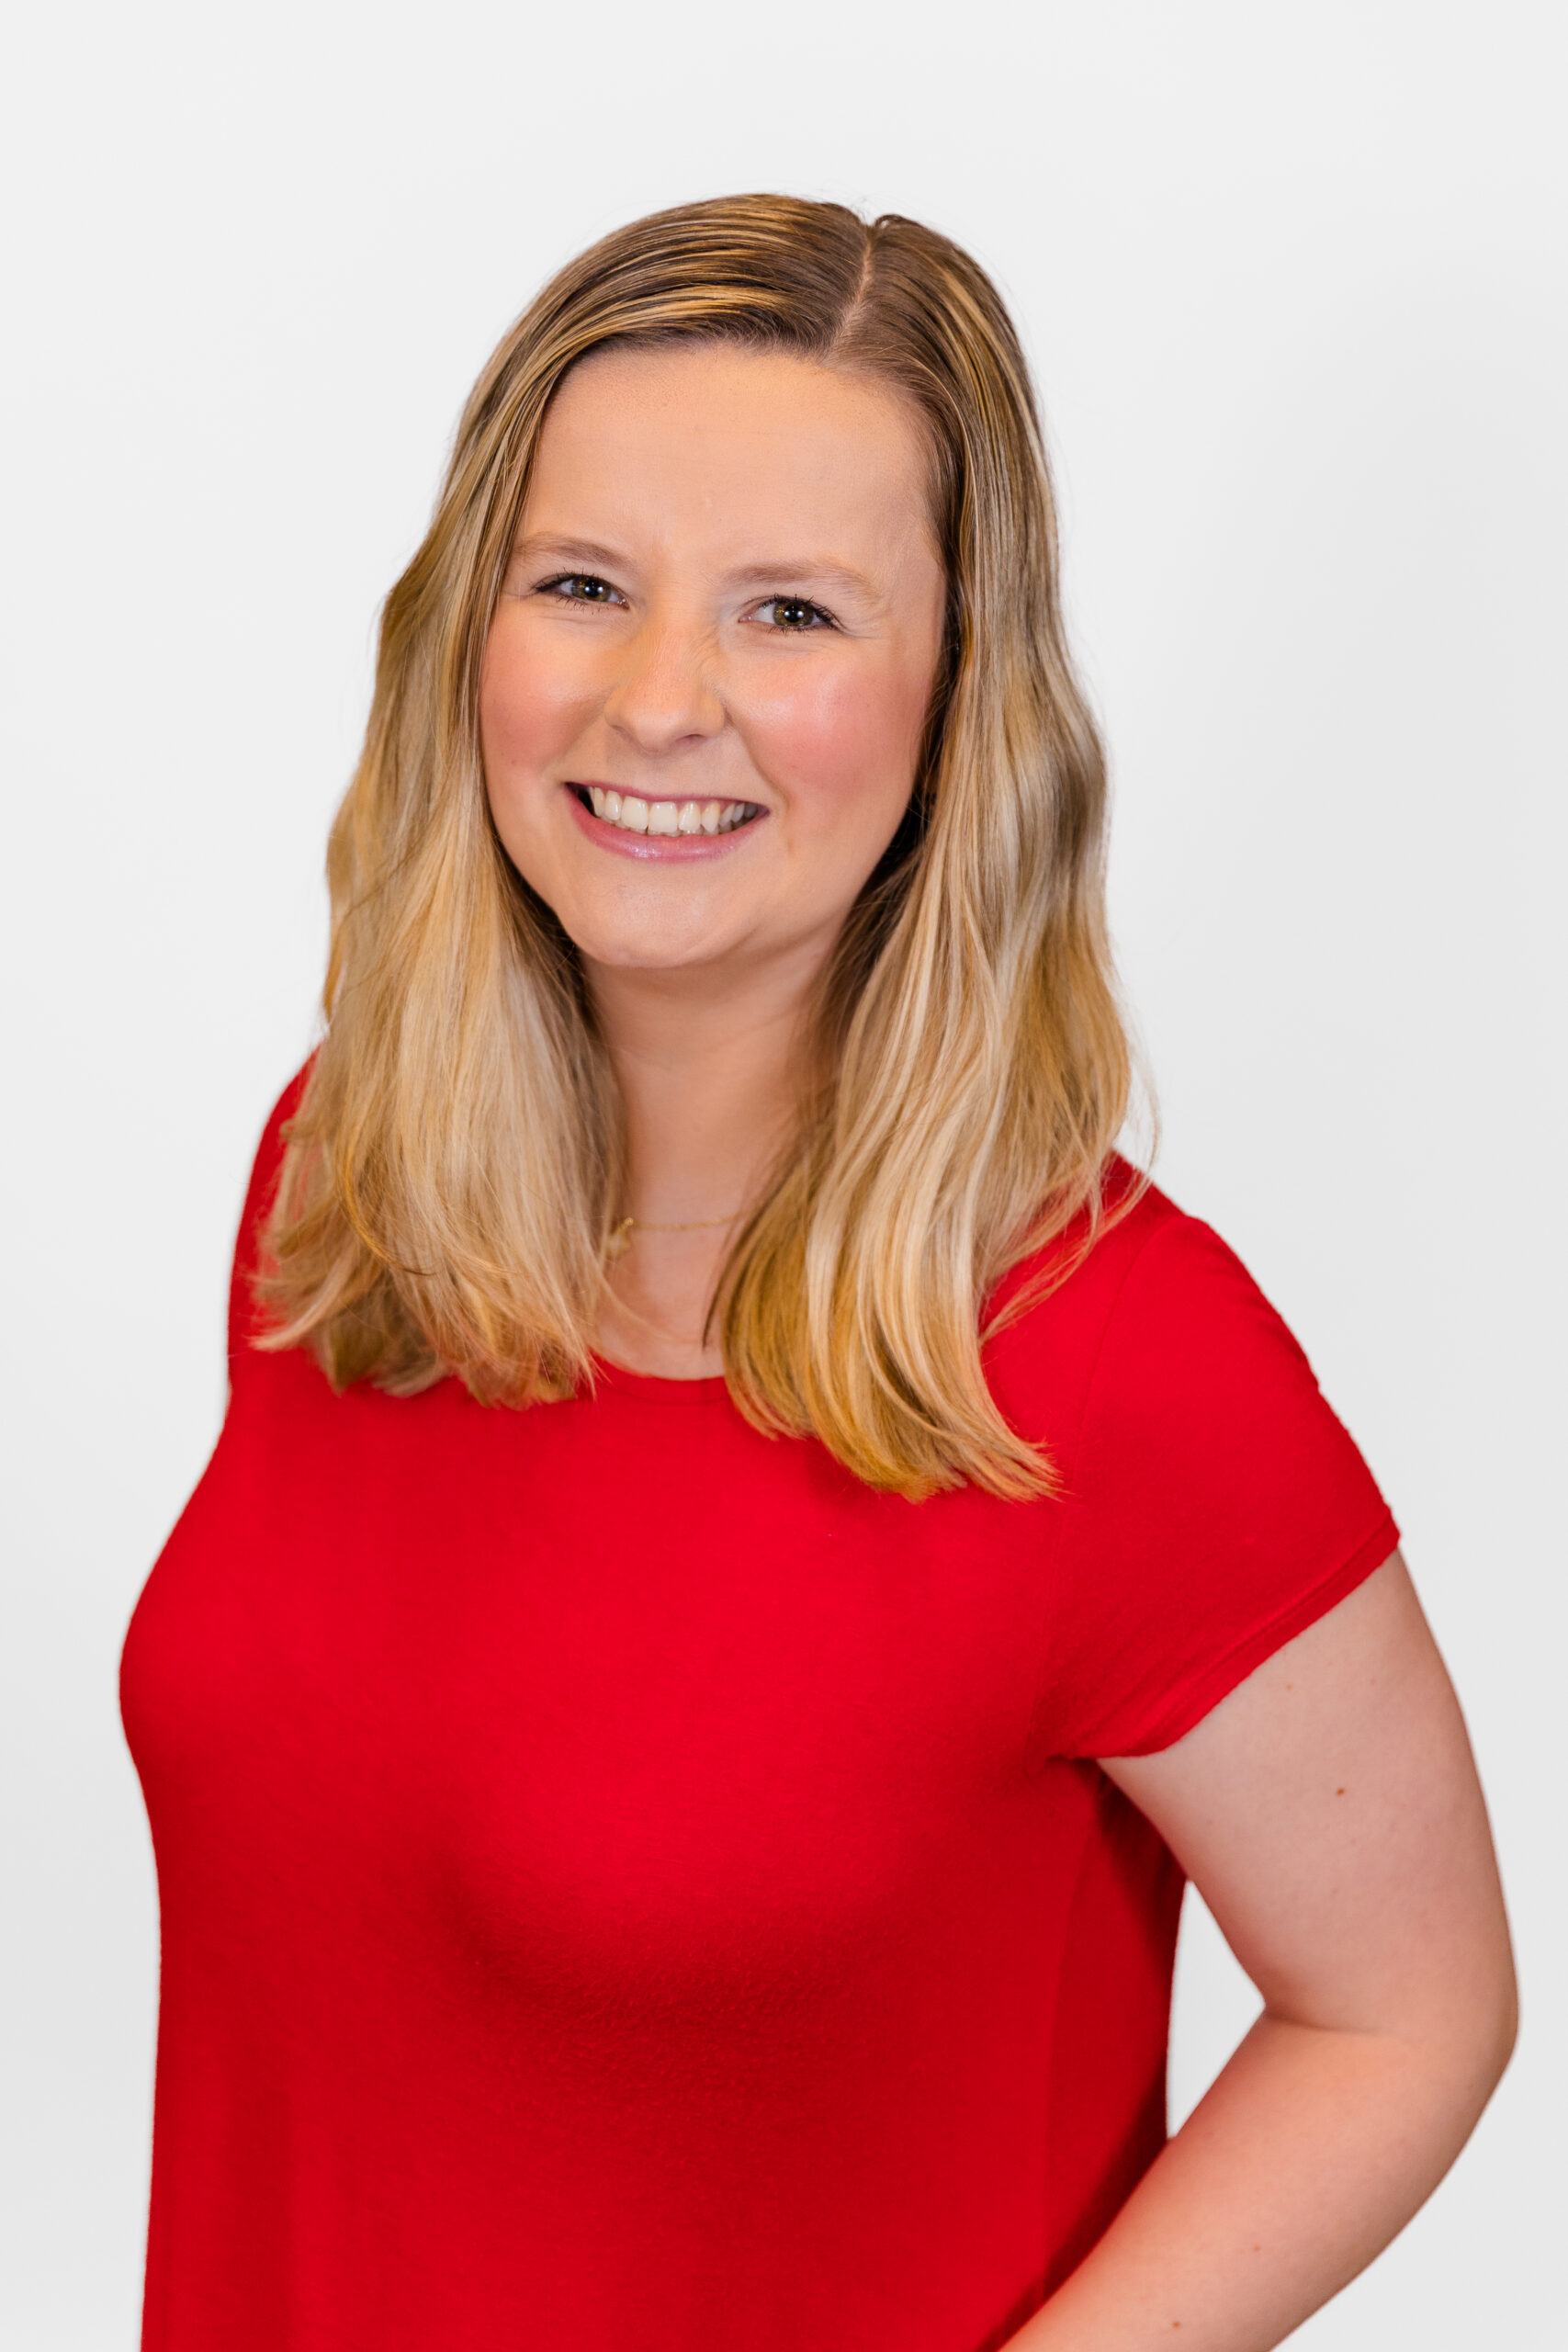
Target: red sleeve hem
x=1189 y=1704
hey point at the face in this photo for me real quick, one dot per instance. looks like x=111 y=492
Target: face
x=707 y=677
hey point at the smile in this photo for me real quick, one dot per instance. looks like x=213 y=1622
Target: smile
x=630 y=813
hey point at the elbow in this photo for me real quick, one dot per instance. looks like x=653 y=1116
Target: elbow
x=1481 y=2052
x=1505 y=2034
x=1504 y=2009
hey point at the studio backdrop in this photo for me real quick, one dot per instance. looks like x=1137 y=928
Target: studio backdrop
x=1292 y=281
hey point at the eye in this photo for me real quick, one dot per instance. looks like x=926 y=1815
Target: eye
x=579 y=588
x=793 y=615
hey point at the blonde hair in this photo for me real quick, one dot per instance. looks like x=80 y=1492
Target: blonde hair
x=455 y=1165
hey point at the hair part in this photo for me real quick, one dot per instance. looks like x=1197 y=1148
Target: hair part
x=457 y=1161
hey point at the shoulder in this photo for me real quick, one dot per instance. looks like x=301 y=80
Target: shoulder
x=1158 y=1375
x=274 y=1139
x=1153 y=1288
x=1212 y=1503
x=1175 y=1256
x=261 y=1191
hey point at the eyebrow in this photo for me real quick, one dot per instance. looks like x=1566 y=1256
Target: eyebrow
x=587 y=553
x=823 y=568
x=582 y=551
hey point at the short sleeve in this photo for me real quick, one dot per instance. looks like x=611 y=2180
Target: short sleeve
x=1215 y=1505
x=260 y=1192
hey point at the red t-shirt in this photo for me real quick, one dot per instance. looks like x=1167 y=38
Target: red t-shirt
x=624 y=1883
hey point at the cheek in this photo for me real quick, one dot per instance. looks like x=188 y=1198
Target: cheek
x=530 y=710
x=844 y=742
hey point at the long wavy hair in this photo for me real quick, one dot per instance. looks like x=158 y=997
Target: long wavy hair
x=457 y=1163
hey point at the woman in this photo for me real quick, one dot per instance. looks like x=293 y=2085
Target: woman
x=695 y=1861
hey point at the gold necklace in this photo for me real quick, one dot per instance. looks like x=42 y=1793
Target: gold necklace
x=621 y=1234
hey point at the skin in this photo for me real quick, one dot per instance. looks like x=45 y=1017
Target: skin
x=1328 y=1809
x=1329 y=1813
x=644 y=641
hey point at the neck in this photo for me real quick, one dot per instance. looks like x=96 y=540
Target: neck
x=709 y=1071
x=709 y=1066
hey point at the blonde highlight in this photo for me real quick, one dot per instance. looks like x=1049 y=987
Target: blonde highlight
x=456 y=1166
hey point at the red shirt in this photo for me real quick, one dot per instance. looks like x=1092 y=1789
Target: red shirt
x=624 y=1883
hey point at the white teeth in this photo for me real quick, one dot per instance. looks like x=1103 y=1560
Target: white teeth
x=635 y=815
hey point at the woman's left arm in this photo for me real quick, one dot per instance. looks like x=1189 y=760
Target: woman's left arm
x=1329 y=1813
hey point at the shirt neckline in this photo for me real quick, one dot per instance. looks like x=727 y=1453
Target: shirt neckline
x=656 y=1388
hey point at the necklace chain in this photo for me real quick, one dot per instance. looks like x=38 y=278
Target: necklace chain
x=621 y=1233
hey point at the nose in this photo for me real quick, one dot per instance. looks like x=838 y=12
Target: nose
x=665 y=697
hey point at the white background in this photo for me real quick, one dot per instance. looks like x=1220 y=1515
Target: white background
x=1292 y=277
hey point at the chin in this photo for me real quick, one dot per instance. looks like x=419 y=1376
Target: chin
x=651 y=948
x=652 y=960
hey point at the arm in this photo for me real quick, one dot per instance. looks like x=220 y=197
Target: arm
x=1329 y=1813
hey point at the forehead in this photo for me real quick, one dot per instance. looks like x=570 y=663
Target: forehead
x=727 y=436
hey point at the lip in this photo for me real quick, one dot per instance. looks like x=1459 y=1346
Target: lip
x=660 y=849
